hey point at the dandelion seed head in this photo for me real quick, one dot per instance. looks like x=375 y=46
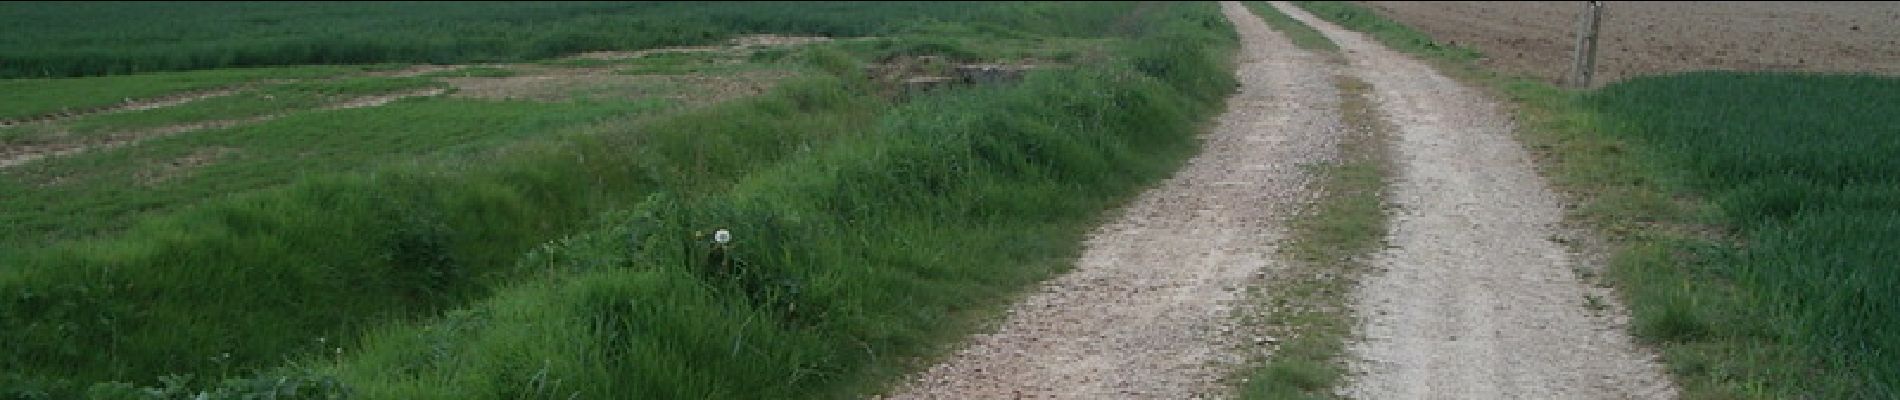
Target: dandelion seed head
x=722 y=236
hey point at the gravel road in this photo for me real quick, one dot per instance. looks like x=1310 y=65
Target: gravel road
x=1476 y=299
x=1147 y=310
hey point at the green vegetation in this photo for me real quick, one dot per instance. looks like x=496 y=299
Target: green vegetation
x=1802 y=168
x=1751 y=214
x=1303 y=36
x=1306 y=307
x=417 y=213
x=58 y=39
x=682 y=63
x=845 y=261
x=34 y=97
x=1393 y=34
x=268 y=100
x=472 y=72
x=405 y=251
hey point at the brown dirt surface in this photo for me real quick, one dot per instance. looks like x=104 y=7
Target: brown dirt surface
x=1537 y=38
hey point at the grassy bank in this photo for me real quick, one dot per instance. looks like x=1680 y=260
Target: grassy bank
x=846 y=262
x=241 y=281
x=1749 y=214
x=409 y=259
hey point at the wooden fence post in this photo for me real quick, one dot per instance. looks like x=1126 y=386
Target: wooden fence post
x=1585 y=60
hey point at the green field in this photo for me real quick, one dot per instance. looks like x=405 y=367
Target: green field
x=449 y=247
x=60 y=39
x=1801 y=171
x=1753 y=214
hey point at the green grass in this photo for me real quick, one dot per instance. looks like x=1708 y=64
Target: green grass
x=1307 y=306
x=1303 y=36
x=847 y=261
x=1802 y=168
x=34 y=97
x=392 y=248
x=420 y=211
x=105 y=191
x=1751 y=216
x=53 y=39
x=473 y=72
x=269 y=99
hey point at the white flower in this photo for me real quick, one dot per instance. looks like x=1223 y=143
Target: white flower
x=722 y=236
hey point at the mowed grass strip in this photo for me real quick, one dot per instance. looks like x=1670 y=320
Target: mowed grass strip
x=1303 y=36
x=1750 y=214
x=36 y=97
x=261 y=101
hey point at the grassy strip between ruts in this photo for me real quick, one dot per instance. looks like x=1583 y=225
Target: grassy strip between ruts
x=1751 y=214
x=1307 y=307
x=845 y=263
x=1303 y=36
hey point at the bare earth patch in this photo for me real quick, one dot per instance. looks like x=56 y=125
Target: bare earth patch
x=1148 y=310
x=557 y=84
x=1644 y=38
x=1476 y=298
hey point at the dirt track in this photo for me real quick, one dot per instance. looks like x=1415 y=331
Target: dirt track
x=1474 y=300
x=1642 y=38
x=1145 y=313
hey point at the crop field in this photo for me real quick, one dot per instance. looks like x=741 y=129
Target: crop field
x=1535 y=38
x=1753 y=211
x=1810 y=186
x=523 y=217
